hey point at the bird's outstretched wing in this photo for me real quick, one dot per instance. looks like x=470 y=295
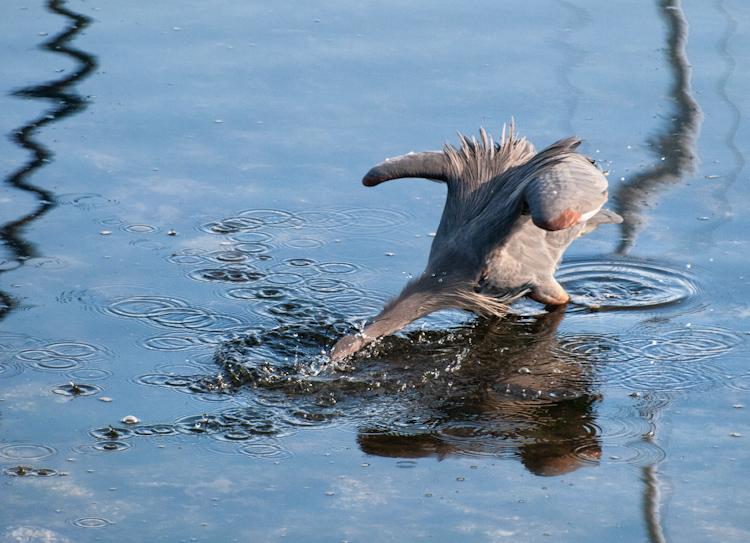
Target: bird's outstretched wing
x=427 y=164
x=464 y=168
x=565 y=188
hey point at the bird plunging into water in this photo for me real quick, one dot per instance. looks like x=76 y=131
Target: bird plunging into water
x=509 y=215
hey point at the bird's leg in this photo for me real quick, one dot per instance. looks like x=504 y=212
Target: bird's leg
x=549 y=292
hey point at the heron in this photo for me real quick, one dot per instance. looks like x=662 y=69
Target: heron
x=509 y=215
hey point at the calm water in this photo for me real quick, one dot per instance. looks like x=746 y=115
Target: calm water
x=185 y=236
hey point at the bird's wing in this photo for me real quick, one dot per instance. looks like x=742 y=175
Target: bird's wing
x=565 y=188
x=427 y=164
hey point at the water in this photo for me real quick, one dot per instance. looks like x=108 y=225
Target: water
x=185 y=237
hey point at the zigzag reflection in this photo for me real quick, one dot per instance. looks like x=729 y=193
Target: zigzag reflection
x=66 y=103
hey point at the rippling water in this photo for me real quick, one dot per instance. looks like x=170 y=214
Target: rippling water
x=185 y=237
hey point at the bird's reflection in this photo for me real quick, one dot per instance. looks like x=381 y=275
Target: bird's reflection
x=518 y=392
x=65 y=102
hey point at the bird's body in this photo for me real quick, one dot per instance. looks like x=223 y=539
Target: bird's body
x=509 y=215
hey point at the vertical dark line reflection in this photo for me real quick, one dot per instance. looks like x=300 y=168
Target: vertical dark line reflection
x=677 y=143
x=652 y=504
x=721 y=90
x=65 y=103
x=677 y=150
x=572 y=57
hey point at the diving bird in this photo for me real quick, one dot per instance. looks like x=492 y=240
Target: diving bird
x=509 y=215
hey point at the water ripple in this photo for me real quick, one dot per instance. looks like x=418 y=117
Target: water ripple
x=30 y=471
x=84 y=200
x=188 y=256
x=49 y=263
x=111 y=432
x=621 y=283
x=26 y=451
x=141 y=229
x=76 y=389
x=205 y=387
x=63 y=355
x=89 y=374
x=91 y=522
x=11 y=343
x=266 y=451
x=227 y=275
x=380 y=219
x=171 y=313
x=231 y=225
x=304 y=243
x=108 y=446
x=150 y=244
x=168 y=343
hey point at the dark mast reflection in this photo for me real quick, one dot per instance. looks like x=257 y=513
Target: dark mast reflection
x=65 y=102
x=678 y=141
x=677 y=150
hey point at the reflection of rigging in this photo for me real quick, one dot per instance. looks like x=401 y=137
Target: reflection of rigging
x=677 y=143
x=66 y=103
x=677 y=146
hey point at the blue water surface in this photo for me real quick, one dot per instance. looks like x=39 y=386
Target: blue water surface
x=185 y=236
